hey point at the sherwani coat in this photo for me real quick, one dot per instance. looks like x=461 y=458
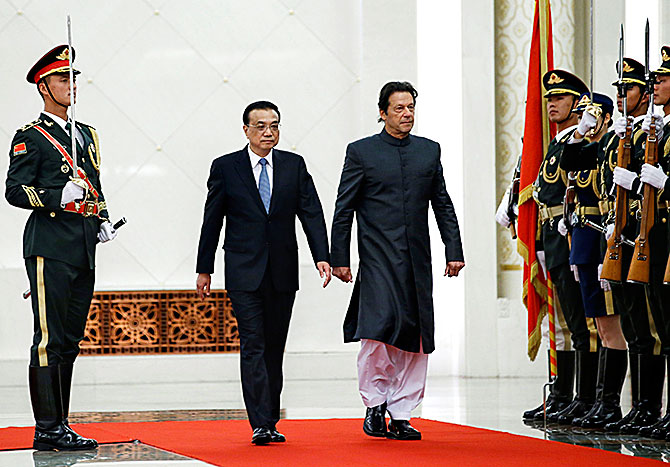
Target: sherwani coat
x=389 y=183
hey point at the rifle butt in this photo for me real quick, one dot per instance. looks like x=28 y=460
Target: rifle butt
x=512 y=231
x=666 y=277
x=612 y=264
x=638 y=273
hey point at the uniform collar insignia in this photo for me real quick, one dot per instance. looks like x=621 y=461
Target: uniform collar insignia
x=49 y=124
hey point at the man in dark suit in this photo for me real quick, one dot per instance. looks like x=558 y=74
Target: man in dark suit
x=260 y=191
x=68 y=216
x=388 y=181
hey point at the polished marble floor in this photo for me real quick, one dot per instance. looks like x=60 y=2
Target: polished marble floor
x=493 y=403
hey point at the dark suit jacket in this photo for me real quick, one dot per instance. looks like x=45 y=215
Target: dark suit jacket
x=253 y=237
x=35 y=179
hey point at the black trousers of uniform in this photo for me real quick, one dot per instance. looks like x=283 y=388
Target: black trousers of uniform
x=570 y=298
x=263 y=318
x=659 y=303
x=61 y=297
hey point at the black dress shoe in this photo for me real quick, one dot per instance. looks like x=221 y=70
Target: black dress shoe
x=375 y=421
x=277 y=437
x=261 y=436
x=401 y=429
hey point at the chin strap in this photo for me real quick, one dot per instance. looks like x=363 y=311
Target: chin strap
x=570 y=115
x=51 y=94
x=639 y=102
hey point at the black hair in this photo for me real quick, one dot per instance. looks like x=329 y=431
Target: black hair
x=391 y=87
x=259 y=105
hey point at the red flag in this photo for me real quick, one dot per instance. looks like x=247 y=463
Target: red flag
x=537 y=134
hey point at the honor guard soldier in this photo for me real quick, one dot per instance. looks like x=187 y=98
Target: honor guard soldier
x=657 y=177
x=68 y=217
x=563 y=90
x=647 y=315
x=584 y=156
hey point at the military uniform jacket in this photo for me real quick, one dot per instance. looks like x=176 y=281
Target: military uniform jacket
x=585 y=159
x=550 y=191
x=35 y=179
x=389 y=183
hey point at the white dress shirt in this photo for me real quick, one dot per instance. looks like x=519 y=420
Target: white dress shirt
x=62 y=124
x=256 y=166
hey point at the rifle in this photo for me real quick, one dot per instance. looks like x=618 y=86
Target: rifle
x=612 y=264
x=639 y=266
x=513 y=199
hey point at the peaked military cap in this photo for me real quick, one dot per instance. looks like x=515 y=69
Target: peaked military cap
x=664 y=69
x=633 y=72
x=599 y=100
x=57 y=60
x=557 y=82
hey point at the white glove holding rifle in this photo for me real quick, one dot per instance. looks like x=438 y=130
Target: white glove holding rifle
x=658 y=122
x=619 y=126
x=624 y=178
x=653 y=176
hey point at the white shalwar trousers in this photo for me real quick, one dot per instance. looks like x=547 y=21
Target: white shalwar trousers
x=388 y=374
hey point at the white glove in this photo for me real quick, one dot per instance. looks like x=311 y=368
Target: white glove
x=107 y=232
x=502 y=217
x=654 y=176
x=71 y=192
x=587 y=123
x=619 y=126
x=624 y=178
x=604 y=284
x=562 y=228
x=658 y=121
x=573 y=268
x=609 y=232
x=543 y=263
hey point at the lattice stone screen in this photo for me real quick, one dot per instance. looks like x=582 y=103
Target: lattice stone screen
x=160 y=322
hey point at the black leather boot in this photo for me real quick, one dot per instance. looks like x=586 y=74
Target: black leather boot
x=599 y=388
x=634 y=362
x=375 y=421
x=562 y=389
x=660 y=429
x=652 y=377
x=65 y=371
x=613 y=368
x=587 y=373
x=45 y=396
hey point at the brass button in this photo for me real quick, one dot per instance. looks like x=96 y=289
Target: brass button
x=664 y=220
x=53 y=214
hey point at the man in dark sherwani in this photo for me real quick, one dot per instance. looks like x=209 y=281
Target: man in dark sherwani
x=388 y=181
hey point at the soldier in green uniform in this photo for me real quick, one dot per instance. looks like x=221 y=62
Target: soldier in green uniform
x=563 y=90
x=647 y=315
x=68 y=217
x=659 y=293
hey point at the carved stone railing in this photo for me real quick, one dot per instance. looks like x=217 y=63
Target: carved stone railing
x=160 y=322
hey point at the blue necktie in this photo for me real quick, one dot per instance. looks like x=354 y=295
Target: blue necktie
x=264 y=185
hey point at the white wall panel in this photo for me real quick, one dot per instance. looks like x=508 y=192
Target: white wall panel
x=165 y=82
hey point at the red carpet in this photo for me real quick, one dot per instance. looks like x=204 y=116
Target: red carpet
x=341 y=442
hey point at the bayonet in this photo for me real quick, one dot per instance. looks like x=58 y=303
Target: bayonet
x=73 y=128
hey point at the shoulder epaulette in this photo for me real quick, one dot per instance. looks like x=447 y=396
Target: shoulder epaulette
x=28 y=126
x=87 y=125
